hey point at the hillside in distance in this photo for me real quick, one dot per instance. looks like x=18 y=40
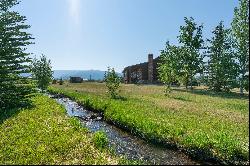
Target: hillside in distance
x=85 y=74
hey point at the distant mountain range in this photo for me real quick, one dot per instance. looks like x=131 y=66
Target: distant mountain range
x=85 y=74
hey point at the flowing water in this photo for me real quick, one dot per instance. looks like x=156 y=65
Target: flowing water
x=122 y=142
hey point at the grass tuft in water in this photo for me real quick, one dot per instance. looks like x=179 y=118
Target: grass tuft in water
x=100 y=140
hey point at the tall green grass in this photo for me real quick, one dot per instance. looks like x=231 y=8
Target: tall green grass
x=204 y=126
x=43 y=134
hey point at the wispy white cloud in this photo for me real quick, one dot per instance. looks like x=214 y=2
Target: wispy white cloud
x=74 y=10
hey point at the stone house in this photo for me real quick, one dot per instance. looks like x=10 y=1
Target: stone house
x=142 y=73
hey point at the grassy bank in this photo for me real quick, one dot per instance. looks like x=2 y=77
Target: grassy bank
x=207 y=125
x=43 y=134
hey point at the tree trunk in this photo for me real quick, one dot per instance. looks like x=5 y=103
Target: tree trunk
x=241 y=90
x=241 y=85
x=191 y=83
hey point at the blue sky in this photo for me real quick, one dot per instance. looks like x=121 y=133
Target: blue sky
x=94 y=34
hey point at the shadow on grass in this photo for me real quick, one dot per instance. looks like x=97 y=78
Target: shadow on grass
x=120 y=98
x=229 y=95
x=182 y=98
x=12 y=112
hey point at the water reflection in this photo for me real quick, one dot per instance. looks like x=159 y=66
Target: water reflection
x=122 y=142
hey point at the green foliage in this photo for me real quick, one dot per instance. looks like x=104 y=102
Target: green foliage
x=168 y=68
x=194 y=82
x=54 y=81
x=191 y=39
x=240 y=29
x=61 y=81
x=112 y=81
x=100 y=140
x=182 y=63
x=246 y=82
x=222 y=69
x=214 y=124
x=15 y=89
x=203 y=79
x=42 y=72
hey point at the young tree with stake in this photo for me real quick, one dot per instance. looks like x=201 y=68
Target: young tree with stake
x=42 y=72
x=191 y=59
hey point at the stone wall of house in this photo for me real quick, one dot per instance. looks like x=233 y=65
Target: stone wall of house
x=143 y=72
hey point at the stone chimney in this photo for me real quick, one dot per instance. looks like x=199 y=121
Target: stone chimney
x=150 y=68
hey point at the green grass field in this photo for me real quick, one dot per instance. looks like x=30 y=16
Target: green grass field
x=43 y=134
x=202 y=122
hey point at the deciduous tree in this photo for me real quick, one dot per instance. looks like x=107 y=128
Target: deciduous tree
x=240 y=27
x=191 y=59
x=112 y=81
x=42 y=72
x=169 y=65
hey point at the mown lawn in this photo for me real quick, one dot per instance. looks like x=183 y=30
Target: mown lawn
x=202 y=122
x=43 y=134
